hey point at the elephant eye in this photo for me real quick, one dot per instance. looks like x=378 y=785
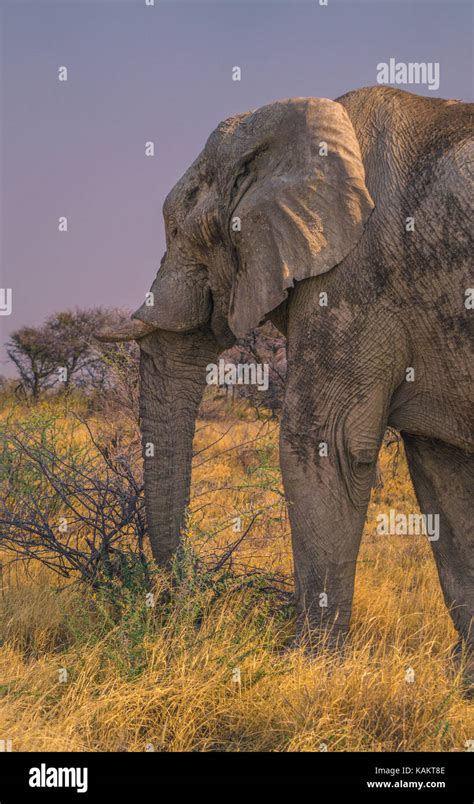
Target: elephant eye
x=247 y=172
x=241 y=176
x=174 y=233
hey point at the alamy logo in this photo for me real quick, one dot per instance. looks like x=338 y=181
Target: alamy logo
x=401 y=72
x=396 y=524
x=59 y=777
x=240 y=374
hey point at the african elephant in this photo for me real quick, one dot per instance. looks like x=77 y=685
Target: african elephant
x=347 y=224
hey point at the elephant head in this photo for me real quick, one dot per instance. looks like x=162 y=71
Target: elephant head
x=277 y=196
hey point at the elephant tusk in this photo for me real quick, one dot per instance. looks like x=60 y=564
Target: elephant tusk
x=129 y=331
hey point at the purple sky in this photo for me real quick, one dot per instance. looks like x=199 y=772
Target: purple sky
x=76 y=148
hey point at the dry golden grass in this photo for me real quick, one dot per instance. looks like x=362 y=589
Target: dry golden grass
x=163 y=678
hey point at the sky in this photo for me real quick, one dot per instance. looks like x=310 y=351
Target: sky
x=163 y=73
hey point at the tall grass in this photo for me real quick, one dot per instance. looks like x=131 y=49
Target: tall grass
x=206 y=663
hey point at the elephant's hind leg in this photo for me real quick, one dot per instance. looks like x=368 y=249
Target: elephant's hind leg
x=443 y=478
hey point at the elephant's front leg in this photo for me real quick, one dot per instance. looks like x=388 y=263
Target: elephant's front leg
x=328 y=461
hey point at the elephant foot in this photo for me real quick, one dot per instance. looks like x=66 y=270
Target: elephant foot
x=463 y=659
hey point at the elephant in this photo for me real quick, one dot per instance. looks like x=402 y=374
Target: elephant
x=347 y=223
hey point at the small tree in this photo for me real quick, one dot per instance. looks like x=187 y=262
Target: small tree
x=69 y=334
x=30 y=350
x=62 y=351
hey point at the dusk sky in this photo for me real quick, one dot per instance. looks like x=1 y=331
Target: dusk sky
x=163 y=73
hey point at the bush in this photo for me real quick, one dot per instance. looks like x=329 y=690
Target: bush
x=71 y=499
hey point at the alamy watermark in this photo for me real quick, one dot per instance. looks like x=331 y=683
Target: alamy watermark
x=223 y=373
x=402 y=72
x=5 y=301
x=397 y=524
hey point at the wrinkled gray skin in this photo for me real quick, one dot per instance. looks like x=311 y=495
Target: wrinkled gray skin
x=312 y=223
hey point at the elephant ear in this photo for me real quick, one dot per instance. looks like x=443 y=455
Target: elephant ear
x=298 y=204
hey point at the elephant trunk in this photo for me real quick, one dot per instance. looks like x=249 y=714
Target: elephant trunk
x=172 y=382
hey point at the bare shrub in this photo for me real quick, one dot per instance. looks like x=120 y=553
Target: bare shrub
x=75 y=506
